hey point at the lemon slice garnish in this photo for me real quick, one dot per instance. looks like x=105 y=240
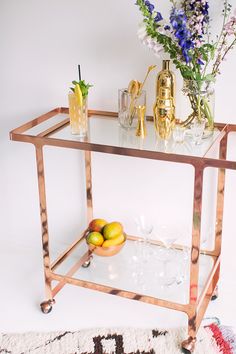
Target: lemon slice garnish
x=78 y=95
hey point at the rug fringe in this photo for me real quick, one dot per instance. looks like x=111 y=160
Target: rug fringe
x=229 y=336
x=224 y=338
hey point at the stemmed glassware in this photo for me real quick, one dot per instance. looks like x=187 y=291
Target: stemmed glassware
x=169 y=266
x=144 y=227
x=167 y=273
x=197 y=130
x=142 y=254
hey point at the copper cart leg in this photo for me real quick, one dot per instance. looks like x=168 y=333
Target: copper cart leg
x=189 y=344
x=89 y=195
x=46 y=306
x=220 y=208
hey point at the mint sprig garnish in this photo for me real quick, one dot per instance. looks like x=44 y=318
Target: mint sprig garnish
x=83 y=86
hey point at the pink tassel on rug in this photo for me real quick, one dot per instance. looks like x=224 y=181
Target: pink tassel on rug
x=224 y=338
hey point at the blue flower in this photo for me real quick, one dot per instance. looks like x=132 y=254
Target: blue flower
x=178 y=20
x=158 y=17
x=149 y=6
x=181 y=33
x=186 y=56
x=179 y=15
x=191 y=7
x=167 y=28
x=205 y=9
x=200 y=62
x=186 y=44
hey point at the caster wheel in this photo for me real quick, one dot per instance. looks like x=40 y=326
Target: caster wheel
x=188 y=345
x=215 y=294
x=46 y=306
x=86 y=264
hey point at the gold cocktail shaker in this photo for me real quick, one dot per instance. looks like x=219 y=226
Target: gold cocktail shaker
x=164 y=107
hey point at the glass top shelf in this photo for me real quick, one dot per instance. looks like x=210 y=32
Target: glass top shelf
x=107 y=132
x=105 y=135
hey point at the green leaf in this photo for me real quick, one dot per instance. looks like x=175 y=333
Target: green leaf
x=83 y=86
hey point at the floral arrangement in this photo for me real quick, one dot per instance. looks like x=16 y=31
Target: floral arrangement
x=186 y=36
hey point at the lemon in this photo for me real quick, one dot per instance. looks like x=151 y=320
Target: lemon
x=95 y=238
x=97 y=225
x=78 y=95
x=114 y=242
x=112 y=230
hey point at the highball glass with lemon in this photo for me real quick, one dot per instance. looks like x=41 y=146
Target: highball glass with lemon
x=78 y=112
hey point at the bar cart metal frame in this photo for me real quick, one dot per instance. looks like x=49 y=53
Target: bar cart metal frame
x=198 y=302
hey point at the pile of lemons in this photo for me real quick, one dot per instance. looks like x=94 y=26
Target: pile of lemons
x=104 y=234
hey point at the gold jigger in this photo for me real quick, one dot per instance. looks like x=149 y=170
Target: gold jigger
x=141 y=130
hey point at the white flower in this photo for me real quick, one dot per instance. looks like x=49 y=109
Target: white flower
x=142 y=31
x=147 y=40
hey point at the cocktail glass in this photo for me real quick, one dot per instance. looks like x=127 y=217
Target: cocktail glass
x=78 y=112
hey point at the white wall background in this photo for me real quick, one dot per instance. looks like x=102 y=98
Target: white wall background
x=41 y=44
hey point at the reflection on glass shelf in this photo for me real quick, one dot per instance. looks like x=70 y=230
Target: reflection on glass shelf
x=125 y=271
x=47 y=124
x=106 y=131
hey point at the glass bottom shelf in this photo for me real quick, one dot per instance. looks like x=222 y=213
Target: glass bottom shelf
x=141 y=268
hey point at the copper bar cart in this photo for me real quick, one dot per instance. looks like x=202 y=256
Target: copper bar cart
x=52 y=129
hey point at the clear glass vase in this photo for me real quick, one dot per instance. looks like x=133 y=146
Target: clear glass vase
x=201 y=96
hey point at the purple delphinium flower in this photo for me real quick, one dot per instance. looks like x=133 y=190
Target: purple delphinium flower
x=145 y=38
x=158 y=17
x=198 y=18
x=200 y=62
x=149 y=6
x=178 y=20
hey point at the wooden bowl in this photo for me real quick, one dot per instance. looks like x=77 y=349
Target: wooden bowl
x=106 y=251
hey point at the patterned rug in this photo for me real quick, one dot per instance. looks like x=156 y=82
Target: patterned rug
x=212 y=339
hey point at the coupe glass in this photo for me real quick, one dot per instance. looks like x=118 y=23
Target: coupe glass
x=144 y=227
